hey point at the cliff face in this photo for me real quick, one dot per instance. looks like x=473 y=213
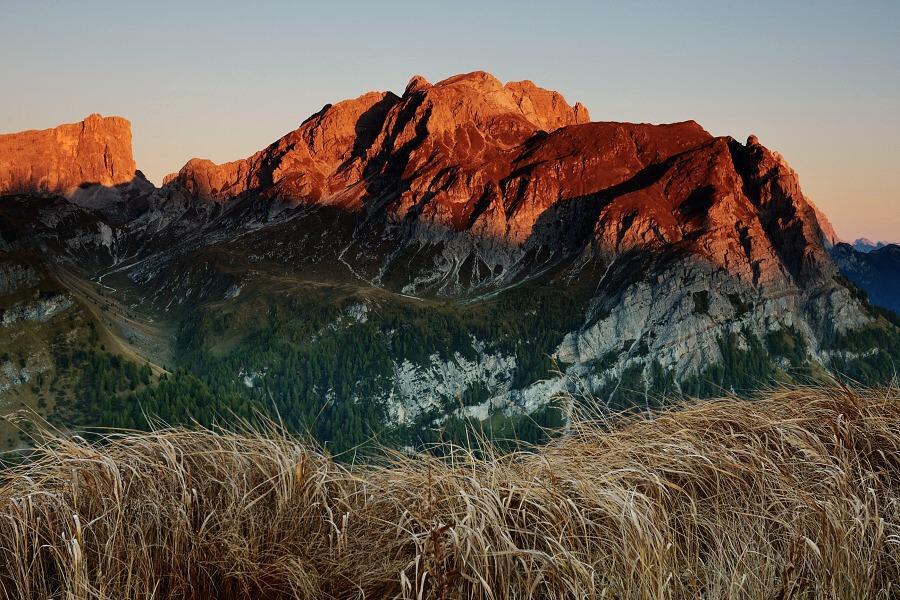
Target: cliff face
x=58 y=161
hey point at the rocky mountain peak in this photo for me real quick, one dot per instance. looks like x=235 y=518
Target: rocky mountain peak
x=517 y=166
x=417 y=83
x=546 y=108
x=95 y=151
x=462 y=119
x=481 y=99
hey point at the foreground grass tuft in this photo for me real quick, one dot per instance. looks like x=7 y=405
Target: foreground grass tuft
x=795 y=495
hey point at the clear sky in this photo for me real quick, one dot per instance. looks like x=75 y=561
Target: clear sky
x=817 y=81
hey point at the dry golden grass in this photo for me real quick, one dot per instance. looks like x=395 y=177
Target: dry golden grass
x=794 y=495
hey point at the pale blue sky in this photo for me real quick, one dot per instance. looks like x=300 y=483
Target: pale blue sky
x=817 y=81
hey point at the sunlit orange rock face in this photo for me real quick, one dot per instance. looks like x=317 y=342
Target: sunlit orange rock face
x=472 y=118
x=60 y=160
x=519 y=164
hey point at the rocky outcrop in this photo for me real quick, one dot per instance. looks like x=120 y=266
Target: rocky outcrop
x=831 y=238
x=16 y=276
x=58 y=161
x=38 y=310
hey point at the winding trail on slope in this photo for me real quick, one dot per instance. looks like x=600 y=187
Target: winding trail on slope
x=111 y=314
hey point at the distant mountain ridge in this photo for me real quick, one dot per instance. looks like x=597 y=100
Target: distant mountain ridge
x=451 y=250
x=866 y=245
x=875 y=270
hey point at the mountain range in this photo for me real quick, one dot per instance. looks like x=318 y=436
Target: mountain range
x=867 y=245
x=465 y=250
x=877 y=271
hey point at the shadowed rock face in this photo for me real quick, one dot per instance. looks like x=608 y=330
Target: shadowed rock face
x=58 y=161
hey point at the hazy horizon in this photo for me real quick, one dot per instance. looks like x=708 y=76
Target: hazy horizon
x=819 y=83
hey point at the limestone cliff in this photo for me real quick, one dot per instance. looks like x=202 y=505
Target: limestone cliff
x=58 y=161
